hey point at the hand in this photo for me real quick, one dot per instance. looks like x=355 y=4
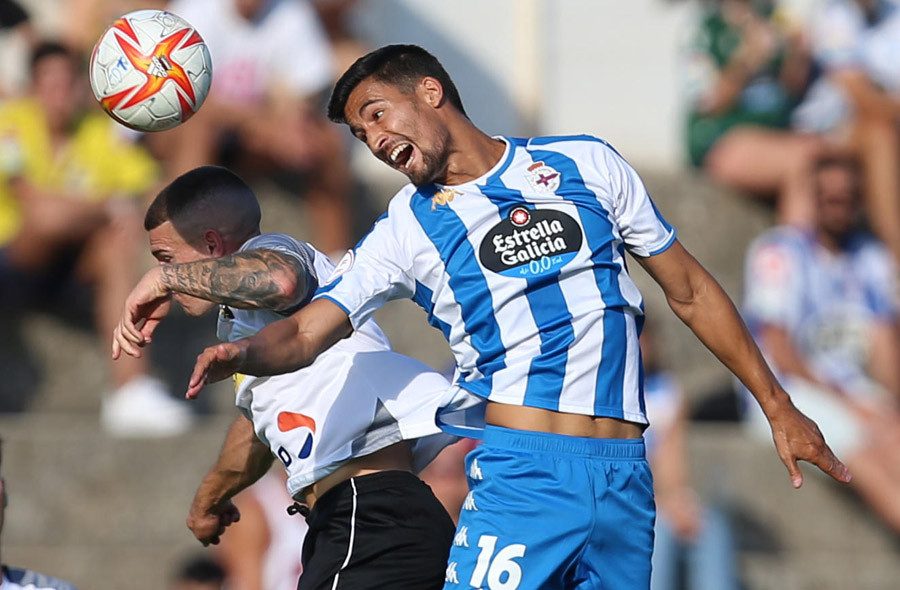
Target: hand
x=144 y=309
x=209 y=524
x=681 y=510
x=798 y=438
x=216 y=363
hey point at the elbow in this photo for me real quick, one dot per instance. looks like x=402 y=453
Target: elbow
x=287 y=291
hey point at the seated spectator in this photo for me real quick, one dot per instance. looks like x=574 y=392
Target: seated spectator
x=262 y=550
x=14 y=20
x=687 y=532
x=200 y=573
x=272 y=62
x=744 y=77
x=22 y=579
x=856 y=102
x=823 y=307
x=67 y=215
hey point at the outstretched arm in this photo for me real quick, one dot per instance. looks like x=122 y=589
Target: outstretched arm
x=256 y=279
x=280 y=347
x=699 y=301
x=242 y=460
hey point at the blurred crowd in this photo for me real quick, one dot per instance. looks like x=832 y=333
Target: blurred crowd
x=803 y=114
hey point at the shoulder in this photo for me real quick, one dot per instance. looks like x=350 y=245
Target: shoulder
x=869 y=251
x=272 y=241
x=35 y=581
x=775 y=252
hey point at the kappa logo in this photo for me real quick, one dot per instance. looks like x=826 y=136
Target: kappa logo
x=450 y=575
x=443 y=197
x=469 y=503
x=475 y=470
x=288 y=421
x=461 y=539
x=543 y=178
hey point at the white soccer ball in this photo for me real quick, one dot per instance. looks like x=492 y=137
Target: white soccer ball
x=151 y=70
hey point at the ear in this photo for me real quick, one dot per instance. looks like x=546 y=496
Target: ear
x=213 y=244
x=432 y=91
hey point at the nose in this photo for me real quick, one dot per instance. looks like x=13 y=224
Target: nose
x=377 y=141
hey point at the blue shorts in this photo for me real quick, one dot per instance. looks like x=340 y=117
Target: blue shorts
x=547 y=511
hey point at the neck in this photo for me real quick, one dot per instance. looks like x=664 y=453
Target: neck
x=471 y=153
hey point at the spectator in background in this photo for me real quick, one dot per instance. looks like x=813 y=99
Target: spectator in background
x=272 y=62
x=744 y=77
x=14 y=19
x=856 y=102
x=262 y=550
x=22 y=579
x=67 y=215
x=199 y=573
x=823 y=306
x=687 y=532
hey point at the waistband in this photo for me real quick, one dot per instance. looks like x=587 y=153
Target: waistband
x=547 y=442
x=365 y=484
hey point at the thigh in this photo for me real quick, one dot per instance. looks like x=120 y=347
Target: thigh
x=621 y=544
x=523 y=524
x=396 y=537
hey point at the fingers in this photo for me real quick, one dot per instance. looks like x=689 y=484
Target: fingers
x=795 y=473
x=827 y=462
x=200 y=373
x=148 y=328
x=121 y=343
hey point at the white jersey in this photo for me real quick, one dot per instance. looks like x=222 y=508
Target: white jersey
x=826 y=302
x=523 y=270
x=284 y=46
x=21 y=579
x=356 y=398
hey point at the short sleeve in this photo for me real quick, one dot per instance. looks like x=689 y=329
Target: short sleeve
x=378 y=270
x=836 y=31
x=773 y=282
x=642 y=227
x=285 y=244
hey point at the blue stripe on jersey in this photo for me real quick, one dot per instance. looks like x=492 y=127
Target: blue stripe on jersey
x=448 y=233
x=549 y=310
x=611 y=376
x=336 y=302
x=424 y=297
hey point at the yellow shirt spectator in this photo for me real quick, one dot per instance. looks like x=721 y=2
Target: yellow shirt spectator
x=95 y=164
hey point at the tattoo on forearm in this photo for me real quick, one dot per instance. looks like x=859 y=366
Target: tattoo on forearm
x=255 y=279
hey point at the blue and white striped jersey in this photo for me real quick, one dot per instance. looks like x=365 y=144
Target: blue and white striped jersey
x=523 y=270
x=22 y=579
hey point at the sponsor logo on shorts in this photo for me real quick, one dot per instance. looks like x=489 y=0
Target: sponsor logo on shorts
x=531 y=242
x=461 y=539
x=450 y=576
x=469 y=503
x=475 y=470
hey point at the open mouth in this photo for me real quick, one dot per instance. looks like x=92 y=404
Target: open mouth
x=401 y=156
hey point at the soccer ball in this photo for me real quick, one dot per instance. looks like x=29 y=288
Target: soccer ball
x=150 y=70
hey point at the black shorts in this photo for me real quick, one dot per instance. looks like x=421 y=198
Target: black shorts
x=385 y=530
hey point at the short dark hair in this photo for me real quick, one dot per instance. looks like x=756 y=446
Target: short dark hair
x=848 y=163
x=47 y=48
x=203 y=184
x=399 y=65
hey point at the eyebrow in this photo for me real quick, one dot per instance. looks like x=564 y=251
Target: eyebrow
x=367 y=103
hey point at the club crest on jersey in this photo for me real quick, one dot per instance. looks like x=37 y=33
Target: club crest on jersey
x=288 y=421
x=531 y=242
x=443 y=197
x=543 y=178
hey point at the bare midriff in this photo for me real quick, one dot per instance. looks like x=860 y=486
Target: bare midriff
x=397 y=457
x=540 y=420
